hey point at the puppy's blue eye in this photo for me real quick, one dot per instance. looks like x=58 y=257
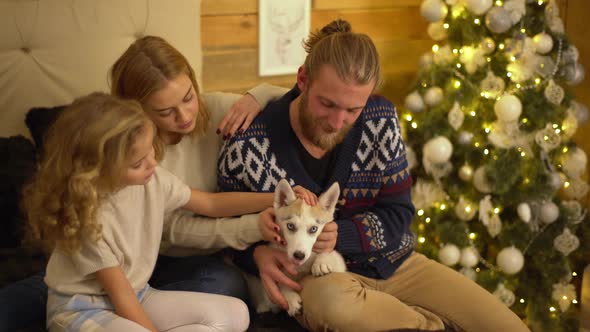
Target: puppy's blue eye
x=313 y=229
x=290 y=226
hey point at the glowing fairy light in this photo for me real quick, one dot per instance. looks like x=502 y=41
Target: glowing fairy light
x=565 y=149
x=435 y=48
x=512 y=58
x=446 y=25
x=421 y=239
x=537 y=81
x=414 y=125
x=552 y=309
x=509 y=74
x=521 y=301
x=472 y=236
x=408 y=118
x=455 y=51
x=522 y=154
x=523 y=30
x=427 y=220
x=458 y=65
x=496 y=210
x=499 y=3
x=501 y=46
x=457 y=84
x=574 y=274
x=518 y=85
x=486 y=152
x=476 y=144
x=477 y=21
x=525 y=120
x=472 y=113
x=443 y=207
x=540 y=2
x=574 y=301
x=420 y=212
x=566 y=184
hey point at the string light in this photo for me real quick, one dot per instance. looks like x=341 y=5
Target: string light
x=509 y=74
x=443 y=207
x=501 y=46
x=522 y=154
x=457 y=84
x=496 y=210
x=566 y=184
x=421 y=239
x=518 y=85
x=476 y=144
x=525 y=120
x=472 y=236
x=408 y=118
x=446 y=25
x=427 y=220
x=472 y=113
x=477 y=21
x=512 y=58
x=486 y=152
x=435 y=48
x=540 y=2
x=420 y=212
x=458 y=65
x=537 y=81
x=574 y=274
x=499 y=3
x=521 y=300
x=523 y=30
x=552 y=309
x=455 y=51
x=527 y=181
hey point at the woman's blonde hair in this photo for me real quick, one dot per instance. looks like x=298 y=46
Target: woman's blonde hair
x=84 y=157
x=144 y=68
x=353 y=55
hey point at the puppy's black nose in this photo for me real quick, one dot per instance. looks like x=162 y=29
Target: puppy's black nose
x=299 y=255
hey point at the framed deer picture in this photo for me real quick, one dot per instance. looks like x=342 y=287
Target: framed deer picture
x=283 y=25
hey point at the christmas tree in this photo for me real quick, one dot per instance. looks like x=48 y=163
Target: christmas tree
x=498 y=180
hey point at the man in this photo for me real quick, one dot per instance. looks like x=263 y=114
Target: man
x=329 y=128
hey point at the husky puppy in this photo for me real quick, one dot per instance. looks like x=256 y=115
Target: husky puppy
x=300 y=226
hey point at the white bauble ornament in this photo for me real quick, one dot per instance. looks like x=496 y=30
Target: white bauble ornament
x=508 y=108
x=543 y=43
x=564 y=294
x=554 y=93
x=456 y=116
x=464 y=138
x=574 y=213
x=498 y=20
x=469 y=257
x=438 y=150
x=433 y=96
x=579 y=74
x=433 y=10
x=574 y=162
x=492 y=86
x=469 y=273
x=488 y=45
x=580 y=111
x=524 y=212
x=449 y=254
x=478 y=7
x=505 y=295
x=466 y=172
x=555 y=180
x=566 y=242
x=549 y=212
x=465 y=210
x=480 y=181
x=414 y=102
x=510 y=260
x=437 y=31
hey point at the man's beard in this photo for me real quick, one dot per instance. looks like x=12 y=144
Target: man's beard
x=317 y=131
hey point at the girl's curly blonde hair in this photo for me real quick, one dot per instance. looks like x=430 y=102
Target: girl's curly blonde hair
x=84 y=158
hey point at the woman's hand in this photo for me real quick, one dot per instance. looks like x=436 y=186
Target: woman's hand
x=306 y=195
x=239 y=116
x=269 y=229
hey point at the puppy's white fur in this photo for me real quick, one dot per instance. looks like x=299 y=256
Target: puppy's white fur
x=300 y=226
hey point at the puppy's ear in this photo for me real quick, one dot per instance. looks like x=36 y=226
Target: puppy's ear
x=284 y=195
x=329 y=198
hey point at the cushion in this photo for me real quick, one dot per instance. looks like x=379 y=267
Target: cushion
x=15 y=171
x=39 y=119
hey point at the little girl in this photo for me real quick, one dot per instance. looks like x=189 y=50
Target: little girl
x=98 y=202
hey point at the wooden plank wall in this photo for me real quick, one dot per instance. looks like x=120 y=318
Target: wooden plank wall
x=230 y=42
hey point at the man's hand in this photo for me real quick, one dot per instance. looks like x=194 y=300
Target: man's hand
x=239 y=116
x=326 y=241
x=270 y=261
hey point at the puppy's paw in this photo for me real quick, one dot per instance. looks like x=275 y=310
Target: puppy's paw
x=320 y=269
x=294 y=301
